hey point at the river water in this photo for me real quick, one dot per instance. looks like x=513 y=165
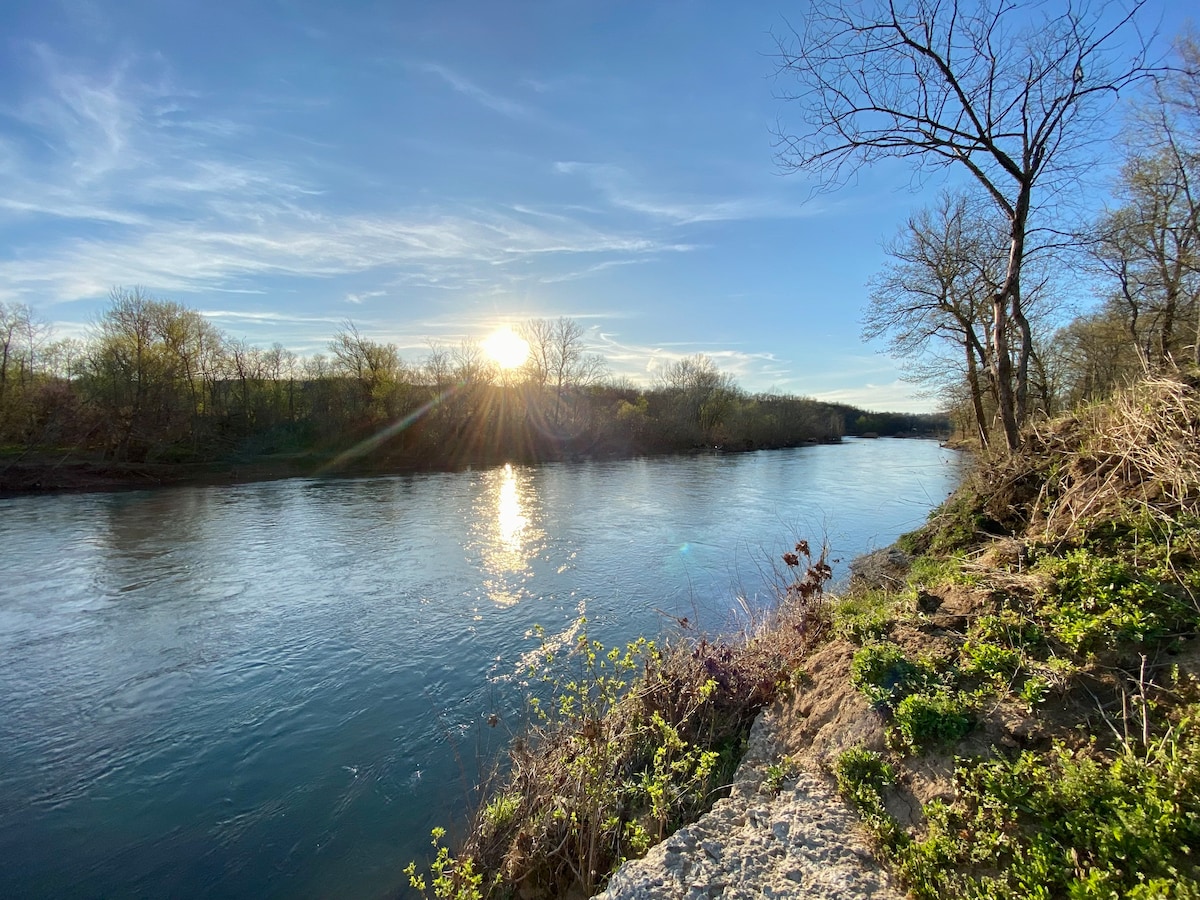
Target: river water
x=278 y=689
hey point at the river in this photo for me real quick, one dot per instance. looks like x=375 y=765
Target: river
x=278 y=689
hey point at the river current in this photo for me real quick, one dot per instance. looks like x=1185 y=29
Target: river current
x=278 y=689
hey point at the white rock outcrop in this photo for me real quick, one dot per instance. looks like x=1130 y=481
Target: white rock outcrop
x=800 y=842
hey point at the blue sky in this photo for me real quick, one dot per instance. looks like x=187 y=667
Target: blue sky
x=434 y=170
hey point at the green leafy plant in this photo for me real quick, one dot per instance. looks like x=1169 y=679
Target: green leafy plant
x=1063 y=824
x=863 y=617
x=925 y=719
x=991 y=662
x=450 y=878
x=1099 y=601
x=777 y=773
x=862 y=777
x=882 y=672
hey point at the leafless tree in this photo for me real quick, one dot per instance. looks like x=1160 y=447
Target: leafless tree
x=373 y=366
x=558 y=359
x=1008 y=92
x=1149 y=246
x=701 y=394
x=946 y=265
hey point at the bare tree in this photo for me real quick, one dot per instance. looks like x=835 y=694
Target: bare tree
x=373 y=366
x=1149 y=246
x=1005 y=91
x=701 y=394
x=438 y=369
x=558 y=359
x=947 y=263
x=17 y=329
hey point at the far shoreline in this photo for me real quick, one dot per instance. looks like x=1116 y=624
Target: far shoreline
x=70 y=472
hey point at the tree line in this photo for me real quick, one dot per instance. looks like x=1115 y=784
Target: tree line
x=155 y=381
x=1018 y=98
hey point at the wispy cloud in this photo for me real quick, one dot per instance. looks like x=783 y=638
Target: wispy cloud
x=195 y=212
x=587 y=271
x=620 y=189
x=894 y=396
x=229 y=315
x=643 y=363
x=187 y=257
x=468 y=88
x=361 y=297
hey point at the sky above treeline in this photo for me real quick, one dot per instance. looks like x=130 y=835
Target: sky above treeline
x=433 y=171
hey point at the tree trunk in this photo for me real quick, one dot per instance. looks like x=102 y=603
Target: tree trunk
x=1002 y=367
x=976 y=397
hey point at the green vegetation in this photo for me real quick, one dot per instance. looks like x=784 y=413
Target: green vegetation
x=1050 y=824
x=1069 y=696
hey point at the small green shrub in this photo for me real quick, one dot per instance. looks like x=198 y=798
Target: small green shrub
x=885 y=675
x=1100 y=601
x=922 y=720
x=501 y=811
x=862 y=776
x=859 y=767
x=882 y=672
x=931 y=571
x=864 y=617
x=990 y=661
x=1008 y=628
x=452 y=879
x=1063 y=825
x=1034 y=691
x=777 y=774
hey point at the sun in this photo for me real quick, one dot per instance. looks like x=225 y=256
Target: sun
x=506 y=348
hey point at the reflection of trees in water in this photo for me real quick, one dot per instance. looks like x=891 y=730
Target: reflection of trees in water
x=145 y=526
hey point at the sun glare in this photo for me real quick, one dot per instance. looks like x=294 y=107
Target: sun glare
x=506 y=348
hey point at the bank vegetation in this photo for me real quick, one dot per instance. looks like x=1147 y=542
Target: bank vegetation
x=157 y=392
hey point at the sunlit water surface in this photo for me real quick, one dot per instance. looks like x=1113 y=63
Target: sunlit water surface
x=277 y=689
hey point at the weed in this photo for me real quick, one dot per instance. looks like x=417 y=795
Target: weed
x=991 y=662
x=922 y=720
x=452 y=879
x=777 y=774
x=862 y=777
x=1061 y=824
x=1099 y=601
x=882 y=672
x=1009 y=629
x=501 y=811
x=863 y=617
x=931 y=571
x=1034 y=690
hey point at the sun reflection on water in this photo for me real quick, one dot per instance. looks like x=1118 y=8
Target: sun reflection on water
x=506 y=532
x=510 y=517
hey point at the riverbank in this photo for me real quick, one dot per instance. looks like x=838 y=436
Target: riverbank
x=1009 y=698
x=70 y=471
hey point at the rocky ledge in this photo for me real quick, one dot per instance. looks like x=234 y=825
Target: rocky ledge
x=799 y=841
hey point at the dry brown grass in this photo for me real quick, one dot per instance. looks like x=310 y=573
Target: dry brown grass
x=1141 y=449
x=1135 y=453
